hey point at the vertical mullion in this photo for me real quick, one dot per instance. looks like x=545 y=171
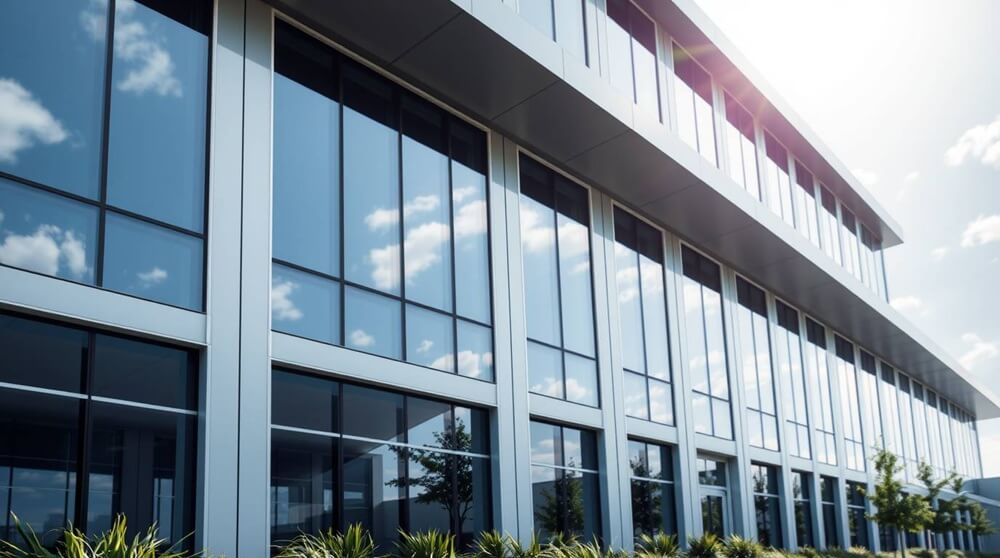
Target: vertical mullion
x=105 y=135
x=340 y=163
x=398 y=100
x=405 y=511
x=555 y=232
x=84 y=449
x=451 y=233
x=338 y=478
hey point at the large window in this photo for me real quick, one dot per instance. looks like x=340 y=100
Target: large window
x=920 y=424
x=767 y=504
x=908 y=428
x=379 y=204
x=829 y=226
x=562 y=21
x=642 y=313
x=802 y=496
x=872 y=260
x=777 y=180
x=559 y=307
x=102 y=179
x=934 y=433
x=788 y=352
x=706 y=345
x=892 y=432
x=947 y=443
x=713 y=482
x=857 y=525
x=93 y=425
x=693 y=94
x=850 y=407
x=868 y=384
x=652 y=478
x=804 y=194
x=822 y=397
x=755 y=358
x=564 y=481
x=632 y=53
x=741 y=147
x=343 y=454
x=852 y=254
x=828 y=503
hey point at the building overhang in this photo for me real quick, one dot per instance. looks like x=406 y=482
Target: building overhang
x=480 y=57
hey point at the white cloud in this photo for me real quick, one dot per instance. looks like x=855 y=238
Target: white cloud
x=154 y=276
x=46 y=250
x=382 y=218
x=939 y=253
x=473 y=364
x=907 y=303
x=282 y=306
x=981 y=231
x=535 y=234
x=979 y=351
x=425 y=346
x=24 y=121
x=361 y=338
x=980 y=142
x=911 y=177
x=471 y=219
x=459 y=194
x=866 y=177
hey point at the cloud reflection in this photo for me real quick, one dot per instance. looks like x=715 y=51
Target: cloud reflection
x=282 y=306
x=47 y=250
x=24 y=121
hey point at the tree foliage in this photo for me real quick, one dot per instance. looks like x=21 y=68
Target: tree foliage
x=893 y=507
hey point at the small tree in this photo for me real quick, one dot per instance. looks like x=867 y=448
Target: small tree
x=894 y=508
x=980 y=524
x=944 y=510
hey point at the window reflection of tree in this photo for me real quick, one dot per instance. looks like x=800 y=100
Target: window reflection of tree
x=647 y=511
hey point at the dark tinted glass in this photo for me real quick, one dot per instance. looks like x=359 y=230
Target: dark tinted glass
x=692 y=74
x=144 y=372
x=571 y=201
x=739 y=118
x=429 y=506
x=305 y=402
x=374 y=489
x=768 y=520
x=546 y=443
x=711 y=472
x=305 y=60
x=829 y=201
x=804 y=178
x=776 y=152
x=372 y=413
x=765 y=479
x=751 y=297
x=303 y=484
x=472 y=430
x=848 y=218
x=815 y=333
x=867 y=362
x=845 y=349
x=788 y=318
x=468 y=146
x=429 y=423
x=41 y=354
x=142 y=465
x=653 y=508
x=701 y=269
x=473 y=499
x=536 y=181
x=39 y=444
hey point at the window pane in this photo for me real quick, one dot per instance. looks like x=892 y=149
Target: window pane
x=152 y=262
x=474 y=423
x=636 y=404
x=306 y=186
x=581 y=380
x=661 y=404
x=468 y=180
x=546 y=483
x=374 y=485
x=39 y=444
x=545 y=371
x=582 y=503
x=144 y=372
x=654 y=317
x=546 y=443
x=371 y=413
x=304 y=304
x=303 y=484
x=574 y=267
x=538 y=250
x=629 y=297
x=372 y=323
x=142 y=464
x=160 y=82
x=371 y=182
x=473 y=499
x=429 y=423
x=430 y=487
x=702 y=413
x=41 y=354
x=620 y=47
x=426 y=209
x=644 y=61
x=723 y=421
x=430 y=338
x=475 y=351
x=57 y=116
x=305 y=402
x=46 y=233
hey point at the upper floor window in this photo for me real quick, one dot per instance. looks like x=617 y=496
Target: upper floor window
x=868 y=384
x=343 y=454
x=779 y=185
x=379 y=204
x=872 y=260
x=852 y=254
x=741 y=147
x=559 y=308
x=767 y=504
x=908 y=444
x=934 y=436
x=920 y=424
x=890 y=410
x=632 y=53
x=788 y=355
x=805 y=203
x=822 y=396
x=565 y=486
x=654 y=509
x=850 y=406
x=563 y=21
x=755 y=359
x=642 y=313
x=695 y=113
x=104 y=181
x=829 y=226
x=706 y=345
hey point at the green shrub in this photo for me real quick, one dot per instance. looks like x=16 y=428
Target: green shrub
x=428 y=544
x=533 y=549
x=809 y=552
x=113 y=543
x=705 y=546
x=657 y=546
x=953 y=553
x=490 y=544
x=355 y=542
x=737 y=547
x=922 y=552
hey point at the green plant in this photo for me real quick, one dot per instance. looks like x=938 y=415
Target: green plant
x=491 y=544
x=113 y=543
x=355 y=542
x=428 y=544
x=904 y=512
x=657 y=546
x=533 y=549
x=809 y=552
x=738 y=547
x=705 y=546
x=922 y=553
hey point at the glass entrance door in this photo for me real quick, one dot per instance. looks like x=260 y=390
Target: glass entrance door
x=714 y=511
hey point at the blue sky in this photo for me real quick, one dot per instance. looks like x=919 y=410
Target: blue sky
x=907 y=94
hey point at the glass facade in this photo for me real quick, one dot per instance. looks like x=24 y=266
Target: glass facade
x=713 y=482
x=564 y=481
x=361 y=169
x=563 y=21
x=802 y=497
x=828 y=506
x=654 y=506
x=804 y=195
x=857 y=525
x=755 y=359
x=767 y=504
x=642 y=314
x=868 y=384
x=821 y=395
x=694 y=97
x=86 y=193
x=559 y=308
x=632 y=54
x=829 y=226
x=850 y=405
x=93 y=425
x=706 y=345
x=777 y=180
x=343 y=454
x=741 y=147
x=851 y=248
x=788 y=355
